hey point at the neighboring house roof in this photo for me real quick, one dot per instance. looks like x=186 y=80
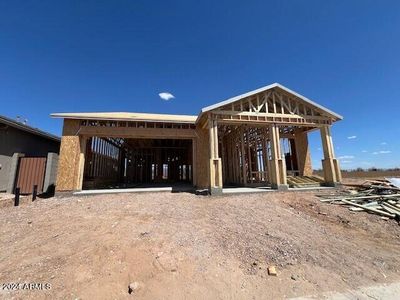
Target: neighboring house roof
x=263 y=89
x=26 y=128
x=126 y=116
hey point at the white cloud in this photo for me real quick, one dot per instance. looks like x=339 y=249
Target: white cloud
x=319 y=149
x=381 y=152
x=346 y=161
x=166 y=96
x=366 y=163
x=352 y=137
x=383 y=143
x=346 y=157
x=364 y=151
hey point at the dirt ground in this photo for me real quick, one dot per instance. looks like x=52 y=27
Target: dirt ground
x=183 y=246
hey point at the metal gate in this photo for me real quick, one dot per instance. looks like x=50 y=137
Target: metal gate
x=31 y=171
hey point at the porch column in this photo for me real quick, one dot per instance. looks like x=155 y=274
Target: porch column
x=330 y=165
x=278 y=177
x=215 y=160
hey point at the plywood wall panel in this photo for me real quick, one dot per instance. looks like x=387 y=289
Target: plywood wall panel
x=67 y=173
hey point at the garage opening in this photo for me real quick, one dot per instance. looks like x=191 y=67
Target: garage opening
x=128 y=163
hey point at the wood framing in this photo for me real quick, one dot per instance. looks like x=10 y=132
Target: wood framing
x=330 y=165
x=257 y=138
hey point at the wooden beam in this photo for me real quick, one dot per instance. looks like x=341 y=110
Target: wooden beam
x=261 y=114
x=131 y=132
x=81 y=162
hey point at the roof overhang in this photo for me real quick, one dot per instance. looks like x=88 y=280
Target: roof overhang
x=126 y=116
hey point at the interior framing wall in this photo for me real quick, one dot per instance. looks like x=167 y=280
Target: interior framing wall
x=303 y=153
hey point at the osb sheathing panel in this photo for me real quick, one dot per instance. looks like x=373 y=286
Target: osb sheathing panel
x=303 y=154
x=203 y=156
x=67 y=173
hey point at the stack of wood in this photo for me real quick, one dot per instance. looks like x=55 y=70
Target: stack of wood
x=381 y=197
x=304 y=181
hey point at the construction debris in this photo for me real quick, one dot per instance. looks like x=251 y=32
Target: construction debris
x=304 y=181
x=133 y=287
x=394 y=181
x=272 y=271
x=381 y=197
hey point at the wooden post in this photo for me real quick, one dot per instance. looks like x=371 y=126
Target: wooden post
x=215 y=160
x=194 y=162
x=265 y=158
x=277 y=164
x=223 y=161
x=81 y=165
x=244 y=170
x=330 y=165
x=250 y=167
x=212 y=153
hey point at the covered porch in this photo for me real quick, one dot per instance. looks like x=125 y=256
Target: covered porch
x=260 y=139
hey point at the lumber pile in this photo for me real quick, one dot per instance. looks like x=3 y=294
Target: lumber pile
x=381 y=197
x=304 y=181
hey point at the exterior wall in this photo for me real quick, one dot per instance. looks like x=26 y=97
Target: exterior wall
x=303 y=154
x=68 y=163
x=51 y=173
x=202 y=160
x=13 y=172
x=5 y=169
x=13 y=140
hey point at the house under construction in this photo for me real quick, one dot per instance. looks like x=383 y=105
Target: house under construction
x=255 y=139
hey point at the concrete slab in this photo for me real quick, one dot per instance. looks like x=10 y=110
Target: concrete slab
x=140 y=188
x=170 y=189
x=315 y=188
x=245 y=190
x=118 y=191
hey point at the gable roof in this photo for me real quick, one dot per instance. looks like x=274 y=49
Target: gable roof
x=263 y=89
x=148 y=117
x=26 y=128
x=127 y=116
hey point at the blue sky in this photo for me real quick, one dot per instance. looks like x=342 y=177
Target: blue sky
x=71 y=56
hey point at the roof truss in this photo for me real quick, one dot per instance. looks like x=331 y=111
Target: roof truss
x=272 y=106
